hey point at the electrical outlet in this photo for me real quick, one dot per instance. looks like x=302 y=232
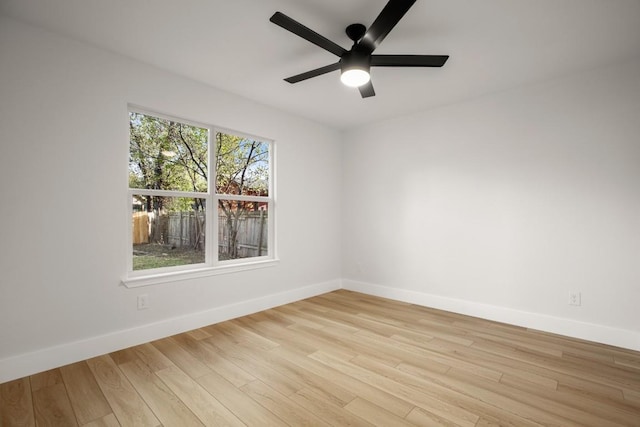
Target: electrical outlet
x=574 y=298
x=143 y=302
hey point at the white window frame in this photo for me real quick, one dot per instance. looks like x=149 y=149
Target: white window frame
x=211 y=266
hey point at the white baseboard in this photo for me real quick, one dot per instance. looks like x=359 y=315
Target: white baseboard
x=571 y=328
x=41 y=360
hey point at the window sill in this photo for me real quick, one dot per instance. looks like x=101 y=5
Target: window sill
x=156 y=279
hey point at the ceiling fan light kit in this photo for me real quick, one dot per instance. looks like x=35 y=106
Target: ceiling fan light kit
x=355 y=64
x=354 y=77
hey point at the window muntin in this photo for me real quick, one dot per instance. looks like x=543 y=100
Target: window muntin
x=171 y=185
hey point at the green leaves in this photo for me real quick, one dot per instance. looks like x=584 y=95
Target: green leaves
x=242 y=166
x=167 y=155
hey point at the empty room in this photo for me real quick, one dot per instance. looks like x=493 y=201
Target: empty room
x=305 y=212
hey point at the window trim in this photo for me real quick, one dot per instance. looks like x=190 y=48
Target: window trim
x=212 y=265
x=195 y=273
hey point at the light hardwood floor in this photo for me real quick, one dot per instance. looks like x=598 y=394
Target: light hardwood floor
x=340 y=359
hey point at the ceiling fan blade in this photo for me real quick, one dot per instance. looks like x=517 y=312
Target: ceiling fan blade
x=366 y=90
x=384 y=23
x=313 y=73
x=297 y=28
x=408 y=60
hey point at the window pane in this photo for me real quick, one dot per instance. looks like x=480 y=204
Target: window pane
x=167 y=231
x=242 y=229
x=167 y=154
x=242 y=166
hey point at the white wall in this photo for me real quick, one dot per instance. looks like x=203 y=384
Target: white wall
x=496 y=207
x=63 y=203
x=500 y=206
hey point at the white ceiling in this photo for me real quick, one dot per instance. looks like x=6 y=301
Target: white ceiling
x=493 y=45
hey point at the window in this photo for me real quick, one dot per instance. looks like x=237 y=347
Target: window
x=201 y=198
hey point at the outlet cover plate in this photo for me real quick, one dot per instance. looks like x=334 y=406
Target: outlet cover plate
x=143 y=302
x=575 y=298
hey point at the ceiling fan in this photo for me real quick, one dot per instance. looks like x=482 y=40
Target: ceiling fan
x=354 y=64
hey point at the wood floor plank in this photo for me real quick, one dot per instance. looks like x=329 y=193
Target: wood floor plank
x=167 y=407
x=490 y=400
x=214 y=360
x=318 y=403
x=250 y=360
x=453 y=392
x=360 y=342
x=268 y=316
x=347 y=388
x=85 y=395
x=411 y=353
x=109 y=420
x=436 y=386
x=593 y=349
x=150 y=356
x=590 y=406
x=623 y=375
x=486 y=422
x=589 y=387
x=243 y=406
x=541 y=408
x=303 y=311
x=16 y=404
x=198 y=334
x=465 y=358
x=240 y=336
x=52 y=407
x=295 y=338
x=560 y=367
x=408 y=393
x=190 y=364
x=455 y=335
x=628 y=362
x=123 y=356
x=420 y=417
x=295 y=318
x=380 y=397
x=363 y=323
x=374 y=414
x=283 y=407
x=341 y=359
x=206 y=407
x=46 y=379
x=126 y=403
x=284 y=361
x=632 y=397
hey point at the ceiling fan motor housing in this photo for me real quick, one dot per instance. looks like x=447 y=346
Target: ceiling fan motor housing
x=355 y=59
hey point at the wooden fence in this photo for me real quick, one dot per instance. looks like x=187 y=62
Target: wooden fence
x=178 y=229
x=187 y=229
x=252 y=236
x=140 y=228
